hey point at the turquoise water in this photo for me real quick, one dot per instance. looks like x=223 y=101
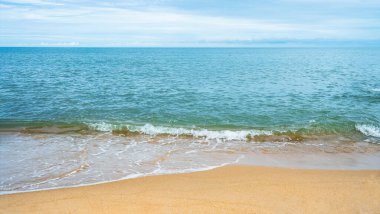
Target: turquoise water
x=78 y=116
x=306 y=90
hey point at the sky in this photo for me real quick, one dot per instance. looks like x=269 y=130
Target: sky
x=189 y=23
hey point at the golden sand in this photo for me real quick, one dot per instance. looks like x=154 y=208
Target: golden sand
x=231 y=189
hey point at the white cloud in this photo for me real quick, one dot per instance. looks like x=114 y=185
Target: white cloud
x=152 y=21
x=59 y=44
x=5 y=6
x=110 y=25
x=34 y=2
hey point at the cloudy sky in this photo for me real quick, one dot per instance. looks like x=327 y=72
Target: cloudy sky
x=190 y=23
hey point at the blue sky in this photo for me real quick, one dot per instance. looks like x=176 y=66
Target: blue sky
x=190 y=23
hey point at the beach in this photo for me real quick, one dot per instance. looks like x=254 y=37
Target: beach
x=263 y=107
x=229 y=189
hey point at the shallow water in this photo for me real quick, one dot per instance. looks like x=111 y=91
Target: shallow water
x=40 y=161
x=73 y=116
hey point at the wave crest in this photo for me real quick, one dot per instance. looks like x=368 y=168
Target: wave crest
x=150 y=129
x=369 y=130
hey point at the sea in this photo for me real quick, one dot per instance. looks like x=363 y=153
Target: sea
x=80 y=116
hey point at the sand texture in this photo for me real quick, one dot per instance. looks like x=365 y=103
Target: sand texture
x=230 y=189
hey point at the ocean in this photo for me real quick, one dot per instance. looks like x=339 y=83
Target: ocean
x=78 y=116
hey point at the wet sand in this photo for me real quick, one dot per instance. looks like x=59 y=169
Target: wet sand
x=230 y=189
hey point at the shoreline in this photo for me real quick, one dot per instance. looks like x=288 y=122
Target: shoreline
x=37 y=161
x=258 y=160
x=134 y=176
x=232 y=188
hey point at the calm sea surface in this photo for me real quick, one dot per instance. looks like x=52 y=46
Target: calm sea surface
x=73 y=116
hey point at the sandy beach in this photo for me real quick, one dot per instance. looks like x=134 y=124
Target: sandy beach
x=230 y=189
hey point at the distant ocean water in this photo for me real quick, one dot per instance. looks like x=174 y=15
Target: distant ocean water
x=71 y=116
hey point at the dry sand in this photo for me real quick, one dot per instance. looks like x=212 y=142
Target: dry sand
x=231 y=189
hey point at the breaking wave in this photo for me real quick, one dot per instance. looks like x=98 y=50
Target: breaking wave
x=150 y=129
x=368 y=130
x=274 y=134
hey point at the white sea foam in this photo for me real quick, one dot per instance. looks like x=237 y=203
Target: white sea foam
x=131 y=176
x=149 y=129
x=102 y=126
x=375 y=89
x=369 y=130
